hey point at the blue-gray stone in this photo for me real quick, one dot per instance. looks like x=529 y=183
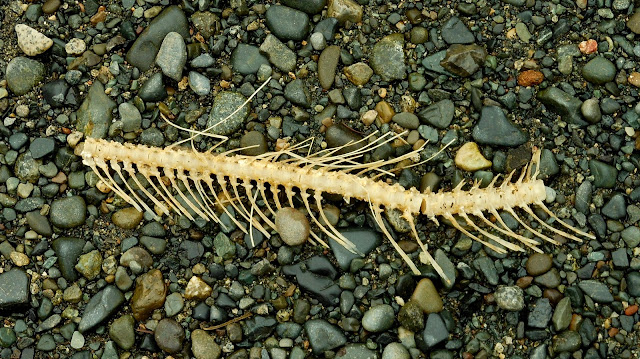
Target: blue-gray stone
x=604 y=175
x=439 y=115
x=599 y=292
x=247 y=59
x=541 y=314
x=23 y=74
x=100 y=307
x=308 y=6
x=224 y=104
x=387 y=58
x=323 y=336
x=94 y=115
x=454 y=31
x=14 y=290
x=153 y=89
x=495 y=129
x=365 y=240
x=287 y=23
x=435 y=332
x=563 y=104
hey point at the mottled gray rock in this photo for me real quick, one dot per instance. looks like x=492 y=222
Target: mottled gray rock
x=495 y=129
x=172 y=55
x=224 y=104
x=100 y=307
x=278 y=53
x=94 y=115
x=387 y=58
x=23 y=74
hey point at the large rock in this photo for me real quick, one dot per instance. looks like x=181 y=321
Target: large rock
x=563 y=104
x=246 y=59
x=68 y=250
x=14 y=290
x=23 y=74
x=142 y=53
x=172 y=56
x=287 y=23
x=94 y=115
x=31 y=41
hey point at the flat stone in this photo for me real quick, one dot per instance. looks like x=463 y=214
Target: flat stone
x=94 y=115
x=172 y=55
x=599 y=292
x=364 y=240
x=41 y=147
x=356 y=351
x=387 y=58
x=439 y=115
x=121 y=331
x=562 y=315
x=323 y=336
x=604 y=174
x=173 y=304
x=148 y=295
x=89 y=264
x=327 y=64
x=39 y=223
x=169 y=335
x=469 y=158
x=278 y=53
x=153 y=89
x=297 y=92
x=130 y=116
x=568 y=341
x=224 y=104
x=435 y=332
x=495 y=129
x=127 y=218
x=538 y=263
x=31 y=41
x=287 y=23
x=23 y=74
x=142 y=53
x=432 y=63
x=200 y=84
x=454 y=31
x=463 y=60
x=540 y=315
x=292 y=225
x=100 y=307
x=599 y=70
x=563 y=104
x=247 y=59
x=68 y=212
x=204 y=346
x=633 y=284
x=14 y=290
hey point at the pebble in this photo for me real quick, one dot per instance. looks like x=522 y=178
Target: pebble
x=278 y=53
x=89 y=264
x=599 y=70
x=495 y=129
x=142 y=54
x=127 y=218
x=138 y=255
x=297 y=92
x=616 y=207
x=224 y=104
x=510 y=298
x=22 y=74
x=562 y=315
x=604 y=175
x=77 y=340
x=378 y=318
x=538 y=263
x=75 y=46
x=39 y=223
x=197 y=289
x=247 y=59
x=51 y=6
x=566 y=342
x=454 y=31
x=292 y=225
x=169 y=335
x=31 y=41
x=287 y=23
x=204 y=346
x=225 y=248
x=15 y=290
x=434 y=333
x=94 y=115
x=633 y=284
x=426 y=297
x=323 y=336
x=7 y=337
x=540 y=315
x=308 y=6
x=358 y=73
x=153 y=89
x=148 y=295
x=469 y=158
x=395 y=351
x=121 y=331
x=199 y=83
x=530 y=78
x=100 y=307
x=318 y=41
x=463 y=60
x=387 y=58
x=207 y=23
x=327 y=64
x=130 y=117
x=173 y=304
x=68 y=212
x=363 y=239
x=345 y=10
x=172 y=55
x=562 y=103
x=634 y=22
x=68 y=250
x=596 y=290
x=590 y=110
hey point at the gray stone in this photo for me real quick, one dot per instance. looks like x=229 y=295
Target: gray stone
x=224 y=104
x=454 y=31
x=596 y=290
x=590 y=109
x=297 y=92
x=100 y=307
x=142 y=53
x=153 y=89
x=68 y=212
x=199 y=83
x=562 y=315
x=616 y=208
x=438 y=115
x=541 y=314
x=308 y=6
x=604 y=175
x=356 y=351
x=599 y=70
x=633 y=284
x=563 y=104
x=130 y=117
x=278 y=53
x=121 y=331
x=287 y=23
x=364 y=240
x=387 y=58
x=23 y=74
x=14 y=290
x=246 y=59
x=172 y=55
x=94 y=115
x=495 y=129
x=68 y=250
x=463 y=60
x=435 y=332
x=41 y=147
x=510 y=298
x=169 y=335
x=323 y=336
x=378 y=318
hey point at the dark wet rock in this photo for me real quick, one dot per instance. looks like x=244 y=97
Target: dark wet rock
x=100 y=307
x=94 y=115
x=616 y=207
x=68 y=212
x=287 y=23
x=463 y=60
x=439 y=115
x=169 y=335
x=278 y=53
x=39 y=223
x=323 y=336
x=378 y=318
x=297 y=92
x=68 y=250
x=604 y=174
x=14 y=290
x=259 y=327
x=142 y=53
x=387 y=58
x=327 y=27
x=308 y=6
x=495 y=129
x=246 y=59
x=411 y=316
x=148 y=295
x=541 y=314
x=138 y=255
x=339 y=135
x=153 y=89
x=599 y=70
x=563 y=104
x=122 y=332
x=41 y=147
x=433 y=63
x=435 y=332
x=365 y=241
x=598 y=291
x=23 y=74
x=566 y=342
x=454 y=31
x=316 y=279
x=224 y=104
x=633 y=284
x=562 y=314
x=54 y=92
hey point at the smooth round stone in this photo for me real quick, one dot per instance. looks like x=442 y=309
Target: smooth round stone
x=247 y=59
x=121 y=331
x=327 y=64
x=127 y=218
x=138 y=255
x=395 y=351
x=292 y=225
x=130 y=117
x=75 y=46
x=31 y=41
x=153 y=89
x=39 y=223
x=426 y=296
x=599 y=70
x=149 y=294
x=387 y=58
x=51 y=6
x=538 y=263
x=7 y=337
x=172 y=55
x=358 y=73
x=318 y=42
x=308 y=6
x=68 y=212
x=22 y=74
x=378 y=318
x=204 y=346
x=169 y=335
x=77 y=340
x=406 y=120
x=469 y=158
x=510 y=298
x=199 y=83
x=419 y=35
x=173 y=304
x=287 y=23
x=590 y=109
x=254 y=143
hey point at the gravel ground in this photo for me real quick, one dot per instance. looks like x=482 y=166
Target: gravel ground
x=84 y=275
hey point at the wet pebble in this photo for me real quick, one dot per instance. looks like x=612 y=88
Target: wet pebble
x=172 y=55
x=378 y=318
x=148 y=295
x=292 y=225
x=510 y=298
x=169 y=335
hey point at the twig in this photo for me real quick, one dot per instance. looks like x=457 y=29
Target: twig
x=242 y=317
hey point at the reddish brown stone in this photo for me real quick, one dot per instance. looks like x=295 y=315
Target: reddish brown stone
x=530 y=78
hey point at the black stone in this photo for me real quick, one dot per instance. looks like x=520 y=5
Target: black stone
x=14 y=290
